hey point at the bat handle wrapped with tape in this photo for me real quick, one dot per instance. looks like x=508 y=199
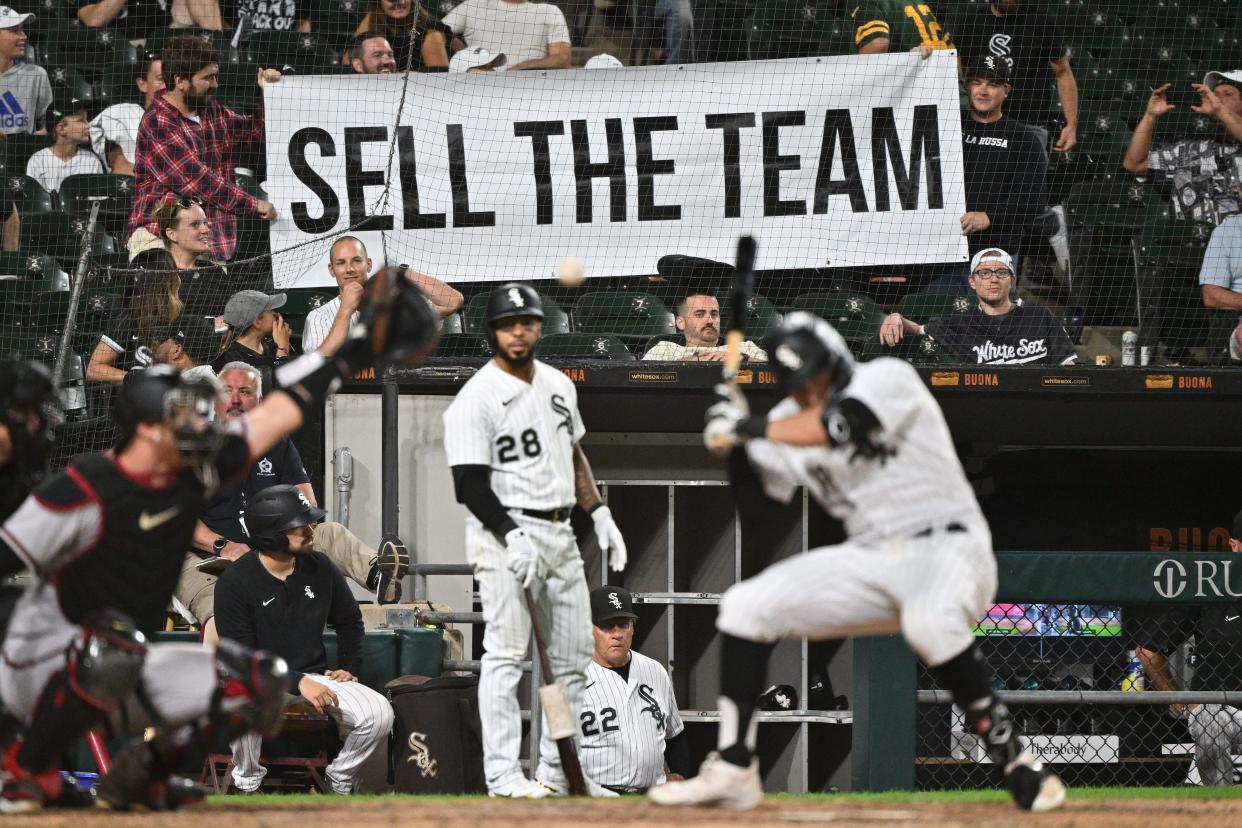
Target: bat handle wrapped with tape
x=557 y=713
x=739 y=310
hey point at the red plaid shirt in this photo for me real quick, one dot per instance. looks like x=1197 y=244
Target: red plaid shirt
x=177 y=156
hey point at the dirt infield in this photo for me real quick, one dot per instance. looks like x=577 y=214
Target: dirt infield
x=332 y=812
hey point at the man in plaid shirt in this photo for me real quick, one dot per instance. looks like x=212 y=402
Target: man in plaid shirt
x=186 y=146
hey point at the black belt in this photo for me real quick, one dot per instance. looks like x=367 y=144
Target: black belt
x=625 y=791
x=558 y=515
x=952 y=527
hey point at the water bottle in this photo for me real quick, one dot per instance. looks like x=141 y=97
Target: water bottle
x=1133 y=680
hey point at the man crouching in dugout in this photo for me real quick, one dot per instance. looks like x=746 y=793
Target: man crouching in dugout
x=104 y=541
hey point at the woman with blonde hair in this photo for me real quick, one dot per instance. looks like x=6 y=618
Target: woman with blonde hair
x=185 y=232
x=399 y=23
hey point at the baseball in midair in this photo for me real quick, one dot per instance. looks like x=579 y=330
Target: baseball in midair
x=570 y=271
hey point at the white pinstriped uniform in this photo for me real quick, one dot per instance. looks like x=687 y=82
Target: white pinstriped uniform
x=526 y=433
x=624 y=724
x=363 y=712
x=318 y=323
x=883 y=579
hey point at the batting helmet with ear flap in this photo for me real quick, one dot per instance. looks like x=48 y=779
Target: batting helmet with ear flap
x=509 y=300
x=274 y=510
x=803 y=347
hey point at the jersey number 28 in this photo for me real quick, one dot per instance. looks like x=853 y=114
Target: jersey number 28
x=509 y=447
x=607 y=722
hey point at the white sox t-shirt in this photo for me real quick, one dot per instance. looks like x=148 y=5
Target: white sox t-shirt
x=624 y=724
x=920 y=485
x=526 y=433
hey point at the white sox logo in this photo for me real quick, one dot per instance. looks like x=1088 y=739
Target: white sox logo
x=515 y=296
x=420 y=755
x=614 y=600
x=653 y=706
x=567 y=416
x=999 y=44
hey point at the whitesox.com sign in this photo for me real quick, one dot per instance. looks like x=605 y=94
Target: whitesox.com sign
x=829 y=161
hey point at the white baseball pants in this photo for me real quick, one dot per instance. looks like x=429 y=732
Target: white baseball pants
x=363 y=712
x=1217 y=730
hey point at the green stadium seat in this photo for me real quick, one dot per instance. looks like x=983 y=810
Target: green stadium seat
x=336 y=20
x=451 y=324
x=28 y=343
x=837 y=37
x=624 y=313
x=762 y=315
x=117 y=85
x=305 y=53
x=462 y=345
x=238 y=89
x=790 y=28
x=1172 y=243
x=33 y=267
x=1103 y=135
x=67 y=81
x=83 y=47
x=29 y=196
x=113 y=193
x=555 y=318
x=855 y=316
x=584 y=346
x=1114 y=205
x=17 y=150
x=917 y=349
x=1100 y=32
x=57 y=235
x=656 y=340
x=920 y=307
x=1186 y=124
x=157 y=39
x=301 y=301
x=34 y=291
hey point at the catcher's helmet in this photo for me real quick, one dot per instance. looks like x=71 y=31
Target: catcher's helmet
x=274 y=510
x=160 y=394
x=141 y=398
x=26 y=389
x=803 y=347
x=509 y=300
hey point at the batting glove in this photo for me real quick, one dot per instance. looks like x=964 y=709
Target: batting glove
x=723 y=418
x=609 y=537
x=522 y=556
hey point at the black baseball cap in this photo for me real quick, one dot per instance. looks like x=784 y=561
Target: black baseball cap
x=608 y=602
x=990 y=67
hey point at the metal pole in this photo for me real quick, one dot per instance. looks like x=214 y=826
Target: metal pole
x=1118 y=697
x=389 y=471
x=343 y=461
x=75 y=294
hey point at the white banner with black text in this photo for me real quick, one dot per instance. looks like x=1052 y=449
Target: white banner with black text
x=828 y=162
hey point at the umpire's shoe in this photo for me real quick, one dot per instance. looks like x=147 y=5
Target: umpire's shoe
x=1033 y=786
x=720 y=784
x=392 y=561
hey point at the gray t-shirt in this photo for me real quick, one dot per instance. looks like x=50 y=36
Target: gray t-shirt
x=520 y=31
x=25 y=95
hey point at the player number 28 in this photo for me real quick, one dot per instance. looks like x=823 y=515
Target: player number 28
x=509 y=447
x=607 y=722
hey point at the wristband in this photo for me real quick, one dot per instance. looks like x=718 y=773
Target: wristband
x=755 y=427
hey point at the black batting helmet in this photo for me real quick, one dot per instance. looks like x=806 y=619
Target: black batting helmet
x=509 y=300
x=803 y=347
x=274 y=510
x=778 y=697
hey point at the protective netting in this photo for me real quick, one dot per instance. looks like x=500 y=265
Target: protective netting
x=869 y=181
x=1082 y=683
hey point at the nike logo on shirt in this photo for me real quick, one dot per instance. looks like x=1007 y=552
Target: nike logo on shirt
x=268 y=601
x=147 y=522
x=589 y=686
x=1232 y=617
x=505 y=404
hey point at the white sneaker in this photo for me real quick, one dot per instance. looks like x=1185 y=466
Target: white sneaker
x=561 y=787
x=518 y=788
x=719 y=783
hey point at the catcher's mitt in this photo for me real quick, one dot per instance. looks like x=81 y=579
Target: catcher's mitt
x=400 y=324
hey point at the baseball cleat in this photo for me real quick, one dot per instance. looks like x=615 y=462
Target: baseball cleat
x=561 y=788
x=519 y=788
x=1032 y=785
x=719 y=783
x=392 y=561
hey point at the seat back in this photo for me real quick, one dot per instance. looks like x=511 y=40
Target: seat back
x=584 y=346
x=625 y=313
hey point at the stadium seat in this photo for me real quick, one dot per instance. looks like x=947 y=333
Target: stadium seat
x=22 y=341
x=855 y=316
x=762 y=315
x=238 y=89
x=1114 y=205
x=34 y=292
x=1172 y=243
x=157 y=39
x=29 y=196
x=33 y=267
x=1103 y=135
x=917 y=349
x=67 y=81
x=1187 y=124
x=921 y=307
x=624 y=313
x=656 y=340
x=301 y=51
x=116 y=85
x=584 y=346
x=837 y=37
x=1101 y=33
x=790 y=28
x=336 y=20
x=59 y=236
x=555 y=318
x=17 y=150
x=113 y=193
x=462 y=345
x=451 y=324
x=80 y=46
x=301 y=301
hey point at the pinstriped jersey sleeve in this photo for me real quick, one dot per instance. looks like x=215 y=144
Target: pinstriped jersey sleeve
x=468 y=427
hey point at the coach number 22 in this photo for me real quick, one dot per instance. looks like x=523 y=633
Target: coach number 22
x=509 y=447
x=607 y=722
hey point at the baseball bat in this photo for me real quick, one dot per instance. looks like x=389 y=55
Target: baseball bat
x=739 y=305
x=556 y=710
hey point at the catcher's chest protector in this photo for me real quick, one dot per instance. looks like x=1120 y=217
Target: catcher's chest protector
x=437 y=744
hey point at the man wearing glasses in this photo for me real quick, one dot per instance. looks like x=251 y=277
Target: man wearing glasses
x=998 y=330
x=629 y=723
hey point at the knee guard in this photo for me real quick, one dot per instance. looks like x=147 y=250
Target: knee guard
x=101 y=670
x=250 y=695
